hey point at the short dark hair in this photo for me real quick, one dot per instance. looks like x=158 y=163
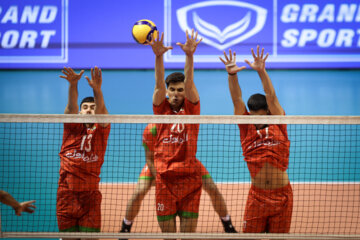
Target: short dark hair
x=87 y=99
x=174 y=78
x=256 y=102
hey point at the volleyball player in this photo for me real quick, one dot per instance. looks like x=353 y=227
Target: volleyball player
x=266 y=152
x=82 y=155
x=178 y=177
x=18 y=207
x=146 y=180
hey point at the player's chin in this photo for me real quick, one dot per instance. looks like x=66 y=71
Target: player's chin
x=175 y=103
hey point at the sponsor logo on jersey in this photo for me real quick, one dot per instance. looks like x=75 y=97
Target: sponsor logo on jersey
x=82 y=155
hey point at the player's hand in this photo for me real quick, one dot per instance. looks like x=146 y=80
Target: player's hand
x=71 y=76
x=230 y=63
x=157 y=45
x=189 y=47
x=259 y=59
x=96 y=78
x=25 y=207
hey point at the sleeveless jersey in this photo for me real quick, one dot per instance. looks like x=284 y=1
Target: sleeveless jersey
x=176 y=144
x=149 y=138
x=270 y=144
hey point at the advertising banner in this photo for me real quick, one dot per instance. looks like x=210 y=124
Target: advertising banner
x=43 y=34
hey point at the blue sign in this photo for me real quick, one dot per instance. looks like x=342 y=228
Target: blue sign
x=81 y=34
x=34 y=33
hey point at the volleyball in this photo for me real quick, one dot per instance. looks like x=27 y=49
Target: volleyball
x=144 y=30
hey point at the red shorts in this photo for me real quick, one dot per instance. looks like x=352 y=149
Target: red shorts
x=204 y=171
x=78 y=211
x=268 y=210
x=146 y=174
x=181 y=197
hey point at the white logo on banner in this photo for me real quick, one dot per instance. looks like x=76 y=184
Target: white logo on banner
x=212 y=35
x=34 y=31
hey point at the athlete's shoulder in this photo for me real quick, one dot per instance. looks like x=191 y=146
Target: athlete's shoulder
x=191 y=108
x=162 y=108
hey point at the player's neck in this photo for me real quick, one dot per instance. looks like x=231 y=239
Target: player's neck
x=89 y=125
x=176 y=109
x=261 y=126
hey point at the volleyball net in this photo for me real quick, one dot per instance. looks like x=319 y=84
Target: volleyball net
x=324 y=172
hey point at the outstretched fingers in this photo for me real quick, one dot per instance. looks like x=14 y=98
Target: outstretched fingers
x=222 y=60
x=248 y=62
x=230 y=54
x=187 y=35
x=266 y=56
x=226 y=57
x=88 y=80
x=253 y=54
x=92 y=73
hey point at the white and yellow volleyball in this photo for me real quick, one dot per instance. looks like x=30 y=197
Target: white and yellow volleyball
x=144 y=30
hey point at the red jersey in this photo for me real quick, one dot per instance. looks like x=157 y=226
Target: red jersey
x=176 y=144
x=82 y=155
x=270 y=144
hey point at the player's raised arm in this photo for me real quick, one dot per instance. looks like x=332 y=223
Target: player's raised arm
x=259 y=65
x=234 y=87
x=189 y=48
x=95 y=83
x=72 y=106
x=159 y=49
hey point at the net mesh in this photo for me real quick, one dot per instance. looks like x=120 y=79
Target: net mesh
x=324 y=172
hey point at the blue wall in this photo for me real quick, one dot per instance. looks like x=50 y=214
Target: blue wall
x=301 y=92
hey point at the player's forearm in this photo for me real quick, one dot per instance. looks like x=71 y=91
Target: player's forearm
x=234 y=87
x=191 y=92
x=267 y=84
x=72 y=105
x=160 y=88
x=159 y=72
x=7 y=199
x=99 y=102
x=189 y=71
x=236 y=95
